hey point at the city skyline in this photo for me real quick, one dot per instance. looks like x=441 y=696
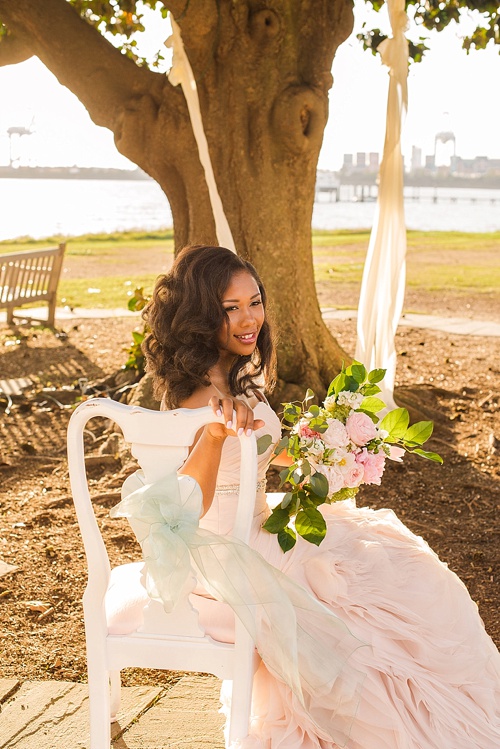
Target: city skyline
x=448 y=90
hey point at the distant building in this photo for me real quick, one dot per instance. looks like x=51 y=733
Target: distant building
x=360 y=160
x=416 y=159
x=373 y=161
x=348 y=161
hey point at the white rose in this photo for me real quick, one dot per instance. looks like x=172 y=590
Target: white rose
x=314 y=446
x=334 y=477
x=353 y=400
x=330 y=403
x=336 y=435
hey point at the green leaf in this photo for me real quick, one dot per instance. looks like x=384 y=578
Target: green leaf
x=357 y=372
x=285 y=473
x=313 y=411
x=370 y=414
x=310 y=524
x=336 y=385
x=376 y=375
x=430 y=456
x=277 y=520
x=396 y=423
x=351 y=385
x=287 y=539
x=319 y=484
x=418 y=433
x=296 y=477
x=309 y=395
x=286 y=500
x=291 y=413
x=263 y=443
x=370 y=390
x=138 y=337
x=345 y=493
x=306 y=468
x=372 y=404
x=282 y=445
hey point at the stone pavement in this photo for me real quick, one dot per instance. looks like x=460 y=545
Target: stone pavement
x=54 y=715
x=453 y=325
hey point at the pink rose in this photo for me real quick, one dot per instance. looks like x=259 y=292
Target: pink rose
x=360 y=428
x=334 y=477
x=336 y=435
x=373 y=464
x=354 y=476
x=306 y=431
x=396 y=453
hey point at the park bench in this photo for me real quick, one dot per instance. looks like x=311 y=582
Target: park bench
x=27 y=277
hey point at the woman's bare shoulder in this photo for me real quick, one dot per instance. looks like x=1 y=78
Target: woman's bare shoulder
x=199 y=398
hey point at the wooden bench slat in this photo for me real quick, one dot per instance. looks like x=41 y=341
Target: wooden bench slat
x=30 y=276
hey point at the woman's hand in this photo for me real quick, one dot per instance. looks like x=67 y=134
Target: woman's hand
x=244 y=421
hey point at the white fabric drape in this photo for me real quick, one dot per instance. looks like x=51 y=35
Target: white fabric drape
x=384 y=275
x=181 y=73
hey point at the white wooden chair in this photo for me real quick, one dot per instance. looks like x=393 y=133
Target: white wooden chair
x=159 y=441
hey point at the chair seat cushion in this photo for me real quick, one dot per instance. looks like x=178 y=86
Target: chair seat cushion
x=126 y=599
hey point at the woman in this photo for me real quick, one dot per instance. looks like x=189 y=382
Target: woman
x=432 y=674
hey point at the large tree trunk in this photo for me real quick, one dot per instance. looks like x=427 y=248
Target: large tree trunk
x=263 y=76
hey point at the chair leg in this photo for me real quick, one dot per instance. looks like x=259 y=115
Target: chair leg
x=99 y=707
x=115 y=682
x=241 y=696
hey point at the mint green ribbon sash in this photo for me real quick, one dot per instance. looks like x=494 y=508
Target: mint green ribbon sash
x=299 y=639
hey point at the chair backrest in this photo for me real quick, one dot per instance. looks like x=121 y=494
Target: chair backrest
x=160 y=442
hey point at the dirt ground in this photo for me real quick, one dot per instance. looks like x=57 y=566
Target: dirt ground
x=453 y=379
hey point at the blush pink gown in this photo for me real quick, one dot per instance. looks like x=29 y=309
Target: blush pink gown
x=432 y=672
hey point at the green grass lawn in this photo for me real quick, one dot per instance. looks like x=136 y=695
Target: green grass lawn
x=435 y=260
x=116 y=264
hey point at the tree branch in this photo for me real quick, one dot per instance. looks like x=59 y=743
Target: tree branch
x=81 y=59
x=13 y=50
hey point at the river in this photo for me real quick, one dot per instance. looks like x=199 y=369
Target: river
x=43 y=207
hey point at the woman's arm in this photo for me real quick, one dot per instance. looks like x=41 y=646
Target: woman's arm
x=203 y=461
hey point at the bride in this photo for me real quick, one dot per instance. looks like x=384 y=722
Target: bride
x=431 y=672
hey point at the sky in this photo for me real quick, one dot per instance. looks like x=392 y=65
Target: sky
x=448 y=90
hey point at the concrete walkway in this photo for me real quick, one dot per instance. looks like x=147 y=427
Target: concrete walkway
x=453 y=325
x=54 y=715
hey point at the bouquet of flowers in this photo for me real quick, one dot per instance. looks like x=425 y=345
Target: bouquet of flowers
x=336 y=448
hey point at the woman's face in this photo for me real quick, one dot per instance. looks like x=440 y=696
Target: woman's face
x=242 y=303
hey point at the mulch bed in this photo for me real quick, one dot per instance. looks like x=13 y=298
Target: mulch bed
x=454 y=380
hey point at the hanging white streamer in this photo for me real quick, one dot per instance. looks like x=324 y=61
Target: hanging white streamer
x=384 y=275
x=182 y=73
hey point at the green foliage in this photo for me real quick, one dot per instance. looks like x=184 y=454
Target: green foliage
x=436 y=15
x=136 y=358
x=121 y=20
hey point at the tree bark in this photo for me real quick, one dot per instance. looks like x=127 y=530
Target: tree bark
x=263 y=76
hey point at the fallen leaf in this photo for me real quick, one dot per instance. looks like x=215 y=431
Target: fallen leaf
x=38 y=607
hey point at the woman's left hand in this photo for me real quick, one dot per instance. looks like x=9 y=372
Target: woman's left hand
x=244 y=422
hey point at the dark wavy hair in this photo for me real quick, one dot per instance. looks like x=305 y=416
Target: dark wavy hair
x=185 y=315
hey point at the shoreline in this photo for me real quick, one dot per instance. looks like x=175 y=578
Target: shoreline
x=167 y=234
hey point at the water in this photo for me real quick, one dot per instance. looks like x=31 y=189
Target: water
x=44 y=207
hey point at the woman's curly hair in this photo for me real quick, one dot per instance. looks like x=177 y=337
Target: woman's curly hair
x=185 y=316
